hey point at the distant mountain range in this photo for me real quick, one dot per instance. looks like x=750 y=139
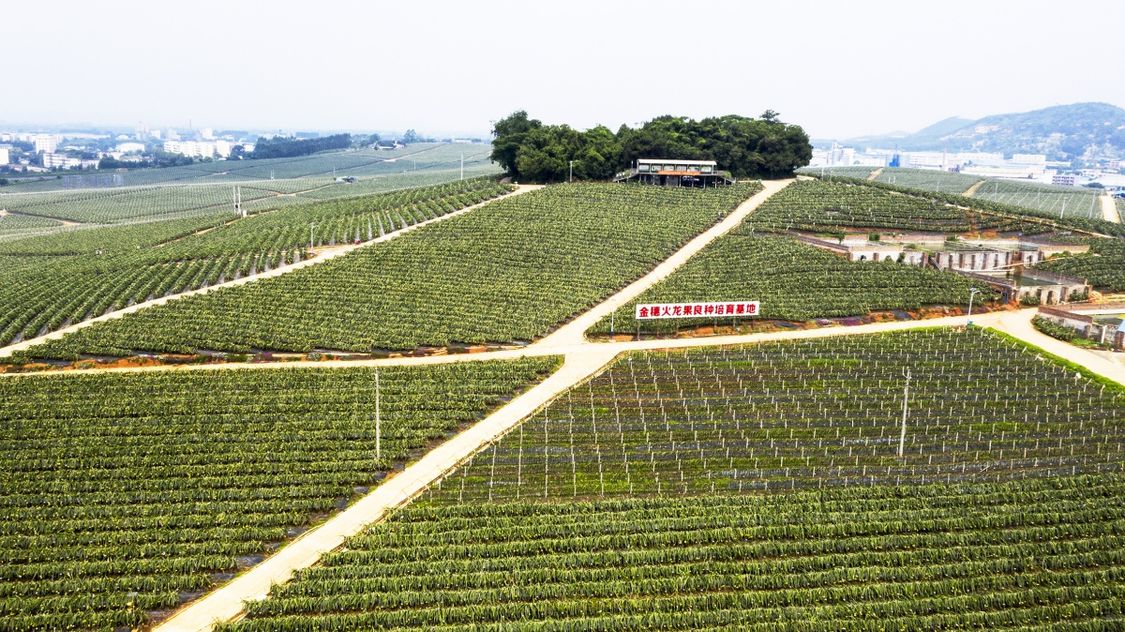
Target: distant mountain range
x=1080 y=131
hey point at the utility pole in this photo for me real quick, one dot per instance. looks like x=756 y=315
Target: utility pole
x=972 y=293
x=571 y=171
x=378 y=418
x=311 y=225
x=905 y=401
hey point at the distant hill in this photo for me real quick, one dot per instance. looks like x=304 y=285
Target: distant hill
x=1080 y=131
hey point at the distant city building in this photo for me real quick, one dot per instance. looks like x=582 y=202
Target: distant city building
x=207 y=133
x=199 y=148
x=1064 y=179
x=51 y=161
x=5 y=154
x=46 y=143
x=222 y=148
x=127 y=147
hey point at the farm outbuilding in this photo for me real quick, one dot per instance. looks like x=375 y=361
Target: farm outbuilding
x=676 y=173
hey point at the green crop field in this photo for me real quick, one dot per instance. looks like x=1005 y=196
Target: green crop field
x=817 y=412
x=1051 y=201
x=847 y=172
x=316 y=167
x=126 y=495
x=508 y=271
x=831 y=206
x=794 y=281
x=987 y=214
x=93 y=271
x=759 y=487
x=111 y=206
x=10 y=222
x=1103 y=266
x=928 y=179
x=265 y=184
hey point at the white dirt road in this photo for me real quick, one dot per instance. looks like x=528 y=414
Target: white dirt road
x=969 y=192
x=1109 y=208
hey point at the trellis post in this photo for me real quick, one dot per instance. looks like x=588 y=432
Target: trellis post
x=905 y=401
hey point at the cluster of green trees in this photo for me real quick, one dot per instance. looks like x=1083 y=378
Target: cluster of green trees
x=159 y=158
x=747 y=147
x=285 y=147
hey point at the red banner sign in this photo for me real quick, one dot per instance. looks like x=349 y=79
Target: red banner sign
x=724 y=309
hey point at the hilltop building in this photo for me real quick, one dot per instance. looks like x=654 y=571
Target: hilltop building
x=676 y=173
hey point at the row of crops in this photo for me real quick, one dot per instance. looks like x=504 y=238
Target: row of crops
x=1103 y=266
x=1056 y=201
x=860 y=172
x=1004 y=216
x=1030 y=556
x=126 y=495
x=109 y=268
x=840 y=205
x=15 y=222
x=311 y=166
x=793 y=281
x=639 y=501
x=928 y=179
x=813 y=413
x=509 y=271
x=111 y=206
x=213 y=191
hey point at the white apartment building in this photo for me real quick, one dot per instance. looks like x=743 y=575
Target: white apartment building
x=63 y=161
x=46 y=143
x=5 y=154
x=200 y=149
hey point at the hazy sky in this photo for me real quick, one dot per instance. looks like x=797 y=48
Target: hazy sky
x=838 y=68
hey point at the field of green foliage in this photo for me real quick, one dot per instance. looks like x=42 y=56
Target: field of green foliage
x=509 y=271
x=760 y=488
x=125 y=495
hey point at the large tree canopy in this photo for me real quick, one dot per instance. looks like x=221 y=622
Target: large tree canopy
x=747 y=147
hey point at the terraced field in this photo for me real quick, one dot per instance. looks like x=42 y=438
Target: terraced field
x=836 y=206
x=1053 y=200
x=794 y=281
x=506 y=272
x=1103 y=266
x=125 y=495
x=760 y=487
x=987 y=214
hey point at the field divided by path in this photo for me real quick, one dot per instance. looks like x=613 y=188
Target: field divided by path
x=88 y=274
x=126 y=495
x=750 y=487
x=509 y=271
